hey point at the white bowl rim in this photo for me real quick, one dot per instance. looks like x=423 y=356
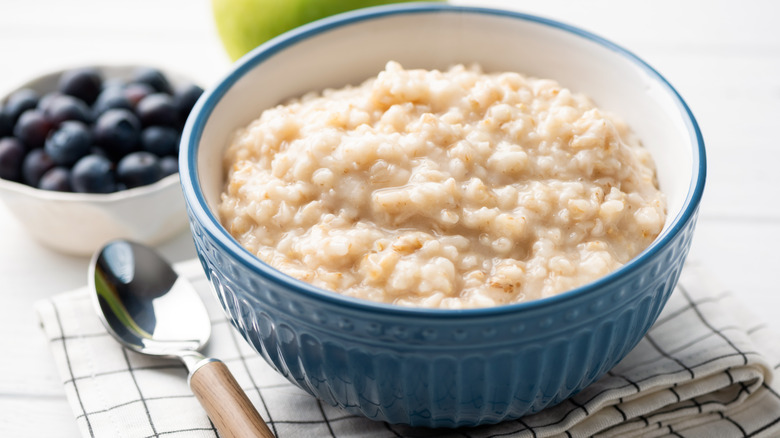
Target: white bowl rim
x=199 y=209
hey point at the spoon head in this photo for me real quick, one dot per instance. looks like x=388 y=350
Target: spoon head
x=144 y=304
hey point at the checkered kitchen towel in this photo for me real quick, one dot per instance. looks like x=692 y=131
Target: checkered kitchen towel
x=704 y=370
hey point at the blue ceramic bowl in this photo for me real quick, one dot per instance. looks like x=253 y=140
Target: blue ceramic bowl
x=427 y=367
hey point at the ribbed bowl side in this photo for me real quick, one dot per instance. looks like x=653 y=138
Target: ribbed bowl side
x=442 y=372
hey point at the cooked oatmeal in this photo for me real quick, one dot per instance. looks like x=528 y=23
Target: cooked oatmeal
x=451 y=189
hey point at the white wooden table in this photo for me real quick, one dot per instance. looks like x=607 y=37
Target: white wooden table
x=722 y=56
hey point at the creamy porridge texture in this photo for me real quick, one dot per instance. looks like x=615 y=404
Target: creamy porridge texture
x=451 y=189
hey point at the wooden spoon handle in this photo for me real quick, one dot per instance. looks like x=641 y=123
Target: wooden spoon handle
x=226 y=403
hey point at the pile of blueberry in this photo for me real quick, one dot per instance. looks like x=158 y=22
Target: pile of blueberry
x=95 y=134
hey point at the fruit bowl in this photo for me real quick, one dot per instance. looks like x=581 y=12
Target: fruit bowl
x=147 y=210
x=438 y=367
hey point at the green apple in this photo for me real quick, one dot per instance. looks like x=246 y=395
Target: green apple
x=244 y=24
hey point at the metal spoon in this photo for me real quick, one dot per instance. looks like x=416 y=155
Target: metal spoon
x=144 y=304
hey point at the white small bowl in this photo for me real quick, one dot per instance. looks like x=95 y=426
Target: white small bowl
x=80 y=223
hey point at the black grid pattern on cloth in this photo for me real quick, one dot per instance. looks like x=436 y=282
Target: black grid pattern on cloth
x=694 y=373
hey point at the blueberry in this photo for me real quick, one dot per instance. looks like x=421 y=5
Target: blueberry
x=32 y=128
x=12 y=153
x=35 y=164
x=169 y=165
x=139 y=169
x=185 y=98
x=64 y=107
x=19 y=102
x=154 y=78
x=160 y=140
x=118 y=131
x=68 y=143
x=158 y=109
x=56 y=178
x=137 y=91
x=84 y=83
x=44 y=103
x=6 y=125
x=111 y=98
x=93 y=174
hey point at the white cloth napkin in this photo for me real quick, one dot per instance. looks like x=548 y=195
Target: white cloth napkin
x=704 y=370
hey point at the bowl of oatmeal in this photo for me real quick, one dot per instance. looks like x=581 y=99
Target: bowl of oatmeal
x=415 y=226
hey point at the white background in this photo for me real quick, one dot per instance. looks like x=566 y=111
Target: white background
x=722 y=56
